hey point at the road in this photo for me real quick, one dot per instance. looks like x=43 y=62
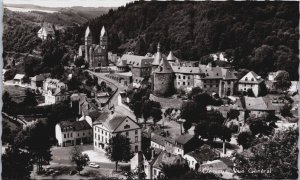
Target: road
x=114 y=99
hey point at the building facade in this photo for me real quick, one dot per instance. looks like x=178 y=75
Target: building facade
x=122 y=125
x=73 y=133
x=251 y=81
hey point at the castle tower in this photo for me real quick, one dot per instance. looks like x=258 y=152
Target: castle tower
x=87 y=44
x=163 y=80
x=103 y=61
x=157 y=58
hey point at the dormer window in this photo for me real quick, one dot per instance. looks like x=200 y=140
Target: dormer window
x=252 y=79
x=246 y=79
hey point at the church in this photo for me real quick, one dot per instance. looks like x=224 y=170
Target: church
x=95 y=55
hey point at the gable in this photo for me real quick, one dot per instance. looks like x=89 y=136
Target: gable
x=251 y=77
x=126 y=125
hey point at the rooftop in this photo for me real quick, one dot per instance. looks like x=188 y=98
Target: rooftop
x=76 y=125
x=183 y=139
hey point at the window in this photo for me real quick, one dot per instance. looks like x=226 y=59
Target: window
x=154 y=172
x=179 y=77
x=183 y=77
x=68 y=135
x=95 y=144
x=246 y=79
x=83 y=134
x=178 y=83
x=102 y=138
x=71 y=135
x=65 y=136
x=136 y=132
x=78 y=134
x=136 y=139
x=136 y=148
x=204 y=86
x=252 y=79
x=105 y=133
x=188 y=83
x=183 y=83
x=99 y=137
x=127 y=133
x=126 y=126
x=101 y=131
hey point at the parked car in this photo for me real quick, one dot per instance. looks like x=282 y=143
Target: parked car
x=94 y=165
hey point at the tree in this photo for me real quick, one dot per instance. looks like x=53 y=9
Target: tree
x=147 y=110
x=201 y=130
x=245 y=139
x=79 y=61
x=225 y=135
x=30 y=99
x=176 y=170
x=16 y=163
x=36 y=140
x=282 y=81
x=8 y=103
x=285 y=110
x=81 y=160
x=118 y=149
x=156 y=114
x=186 y=126
x=274 y=158
x=263 y=125
x=233 y=114
x=137 y=110
x=193 y=174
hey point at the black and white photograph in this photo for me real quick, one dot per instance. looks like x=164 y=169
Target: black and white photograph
x=158 y=90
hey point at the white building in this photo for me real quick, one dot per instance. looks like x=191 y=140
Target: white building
x=45 y=32
x=19 y=79
x=56 y=96
x=251 y=81
x=157 y=141
x=73 y=133
x=114 y=125
x=54 y=84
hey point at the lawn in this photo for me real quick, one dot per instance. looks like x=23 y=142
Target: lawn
x=172 y=102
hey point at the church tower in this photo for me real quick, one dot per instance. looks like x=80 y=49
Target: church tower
x=103 y=48
x=87 y=44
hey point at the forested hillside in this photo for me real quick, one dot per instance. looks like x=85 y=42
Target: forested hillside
x=261 y=36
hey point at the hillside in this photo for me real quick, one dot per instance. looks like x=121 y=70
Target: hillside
x=260 y=36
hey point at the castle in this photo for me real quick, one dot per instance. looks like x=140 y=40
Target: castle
x=168 y=74
x=95 y=55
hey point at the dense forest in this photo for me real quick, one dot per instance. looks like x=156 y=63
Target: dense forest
x=260 y=36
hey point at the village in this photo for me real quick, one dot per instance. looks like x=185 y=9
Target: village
x=96 y=113
x=151 y=100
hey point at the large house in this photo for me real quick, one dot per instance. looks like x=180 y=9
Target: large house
x=113 y=125
x=73 y=133
x=256 y=107
x=56 y=96
x=96 y=55
x=251 y=81
x=37 y=81
x=19 y=79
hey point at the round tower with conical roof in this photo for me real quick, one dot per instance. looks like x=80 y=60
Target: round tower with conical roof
x=163 y=79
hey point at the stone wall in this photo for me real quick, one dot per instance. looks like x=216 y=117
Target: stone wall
x=163 y=84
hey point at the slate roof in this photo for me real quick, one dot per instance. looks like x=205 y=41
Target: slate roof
x=256 y=103
x=114 y=123
x=171 y=57
x=102 y=118
x=183 y=139
x=76 y=125
x=158 y=139
x=164 y=67
x=257 y=78
x=137 y=61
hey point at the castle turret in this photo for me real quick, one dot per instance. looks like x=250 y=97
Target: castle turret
x=87 y=43
x=171 y=57
x=157 y=58
x=163 y=81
